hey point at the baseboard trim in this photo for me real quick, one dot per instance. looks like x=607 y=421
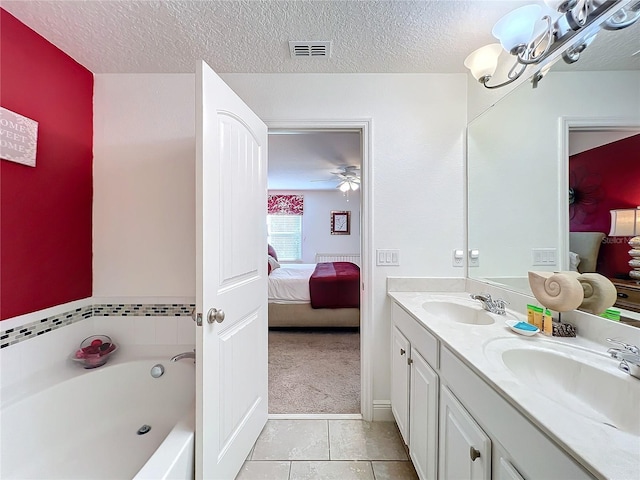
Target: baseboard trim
x=315 y=416
x=382 y=411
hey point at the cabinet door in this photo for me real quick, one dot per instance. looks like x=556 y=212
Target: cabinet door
x=465 y=450
x=400 y=371
x=423 y=417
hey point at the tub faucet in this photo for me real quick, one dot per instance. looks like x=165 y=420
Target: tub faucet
x=180 y=356
x=489 y=304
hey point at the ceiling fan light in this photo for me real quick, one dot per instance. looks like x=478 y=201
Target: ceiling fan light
x=344 y=186
x=483 y=61
x=354 y=186
x=516 y=27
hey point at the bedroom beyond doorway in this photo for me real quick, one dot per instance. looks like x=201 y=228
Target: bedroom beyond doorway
x=315 y=371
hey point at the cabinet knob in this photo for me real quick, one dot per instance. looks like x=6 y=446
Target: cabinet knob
x=402 y=352
x=622 y=295
x=474 y=453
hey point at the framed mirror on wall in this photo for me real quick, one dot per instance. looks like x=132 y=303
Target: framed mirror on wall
x=519 y=212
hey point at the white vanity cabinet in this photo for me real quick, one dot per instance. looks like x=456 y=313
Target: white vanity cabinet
x=458 y=426
x=414 y=394
x=465 y=450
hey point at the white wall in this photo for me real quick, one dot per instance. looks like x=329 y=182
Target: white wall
x=144 y=231
x=143 y=186
x=316 y=222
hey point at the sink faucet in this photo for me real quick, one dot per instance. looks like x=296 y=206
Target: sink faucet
x=180 y=356
x=489 y=304
x=629 y=356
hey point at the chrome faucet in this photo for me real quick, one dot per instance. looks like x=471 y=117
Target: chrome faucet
x=489 y=304
x=180 y=356
x=629 y=356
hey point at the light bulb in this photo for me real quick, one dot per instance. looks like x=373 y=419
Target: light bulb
x=483 y=61
x=516 y=27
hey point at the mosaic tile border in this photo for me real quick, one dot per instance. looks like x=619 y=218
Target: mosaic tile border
x=11 y=336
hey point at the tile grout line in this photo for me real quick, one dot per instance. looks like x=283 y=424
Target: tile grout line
x=328 y=439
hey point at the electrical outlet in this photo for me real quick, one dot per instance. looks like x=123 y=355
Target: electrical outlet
x=458 y=258
x=474 y=258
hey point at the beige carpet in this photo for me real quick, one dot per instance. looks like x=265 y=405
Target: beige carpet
x=314 y=371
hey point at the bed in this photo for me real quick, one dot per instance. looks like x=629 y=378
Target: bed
x=325 y=294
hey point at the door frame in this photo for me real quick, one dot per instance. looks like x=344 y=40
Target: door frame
x=567 y=124
x=365 y=126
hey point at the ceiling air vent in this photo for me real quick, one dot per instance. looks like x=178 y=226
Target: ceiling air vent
x=310 y=49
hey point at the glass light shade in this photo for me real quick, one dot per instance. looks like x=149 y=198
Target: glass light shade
x=354 y=186
x=483 y=61
x=554 y=4
x=625 y=222
x=516 y=28
x=344 y=186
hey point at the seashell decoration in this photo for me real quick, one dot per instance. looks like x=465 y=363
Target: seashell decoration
x=560 y=291
x=599 y=293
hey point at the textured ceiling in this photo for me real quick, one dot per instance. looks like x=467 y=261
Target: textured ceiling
x=246 y=36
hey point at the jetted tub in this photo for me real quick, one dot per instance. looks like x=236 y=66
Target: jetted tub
x=86 y=427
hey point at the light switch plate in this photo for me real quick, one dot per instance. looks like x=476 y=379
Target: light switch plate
x=387 y=257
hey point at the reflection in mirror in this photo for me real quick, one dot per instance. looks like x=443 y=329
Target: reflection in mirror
x=518 y=172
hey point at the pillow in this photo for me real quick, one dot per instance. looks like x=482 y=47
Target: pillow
x=574 y=261
x=272 y=251
x=272 y=264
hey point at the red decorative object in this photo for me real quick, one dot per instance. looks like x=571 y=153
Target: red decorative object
x=285 y=205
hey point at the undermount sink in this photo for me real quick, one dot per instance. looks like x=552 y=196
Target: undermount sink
x=581 y=380
x=458 y=312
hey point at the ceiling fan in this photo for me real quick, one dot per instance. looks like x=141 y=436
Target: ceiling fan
x=348 y=178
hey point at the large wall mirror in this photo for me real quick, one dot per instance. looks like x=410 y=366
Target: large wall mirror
x=519 y=215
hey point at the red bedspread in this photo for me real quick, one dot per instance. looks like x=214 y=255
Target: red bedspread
x=335 y=285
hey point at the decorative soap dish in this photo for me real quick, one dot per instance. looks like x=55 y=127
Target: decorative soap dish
x=523 y=328
x=94 y=351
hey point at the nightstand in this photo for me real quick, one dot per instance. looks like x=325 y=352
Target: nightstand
x=628 y=294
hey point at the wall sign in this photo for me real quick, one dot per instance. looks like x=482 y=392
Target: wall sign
x=18 y=138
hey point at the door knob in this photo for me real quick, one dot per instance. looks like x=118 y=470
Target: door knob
x=215 y=315
x=473 y=453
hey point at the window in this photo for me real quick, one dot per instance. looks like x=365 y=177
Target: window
x=285 y=235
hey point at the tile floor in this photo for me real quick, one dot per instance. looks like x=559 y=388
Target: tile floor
x=328 y=450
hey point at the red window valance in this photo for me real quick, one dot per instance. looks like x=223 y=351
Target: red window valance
x=285 y=205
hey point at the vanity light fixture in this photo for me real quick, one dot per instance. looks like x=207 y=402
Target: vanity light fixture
x=626 y=223
x=539 y=36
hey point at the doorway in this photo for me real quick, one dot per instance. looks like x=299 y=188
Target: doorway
x=334 y=347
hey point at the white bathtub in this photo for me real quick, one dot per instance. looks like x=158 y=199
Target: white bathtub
x=86 y=426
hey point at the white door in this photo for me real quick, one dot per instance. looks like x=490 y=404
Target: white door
x=231 y=352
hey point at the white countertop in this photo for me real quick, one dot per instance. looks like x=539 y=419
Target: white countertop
x=603 y=450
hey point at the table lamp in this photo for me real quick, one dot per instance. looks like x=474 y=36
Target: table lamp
x=625 y=222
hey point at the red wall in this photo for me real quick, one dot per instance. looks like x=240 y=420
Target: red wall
x=45 y=218
x=606 y=178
